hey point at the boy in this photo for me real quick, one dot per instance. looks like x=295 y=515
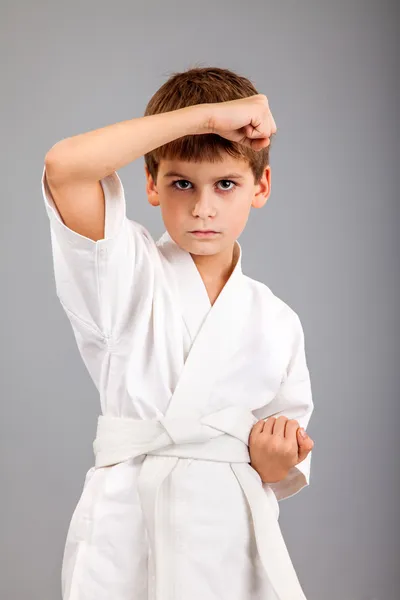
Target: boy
x=189 y=355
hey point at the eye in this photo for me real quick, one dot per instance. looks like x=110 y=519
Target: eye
x=180 y=181
x=174 y=184
x=228 y=181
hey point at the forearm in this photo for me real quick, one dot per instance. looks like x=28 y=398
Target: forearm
x=98 y=153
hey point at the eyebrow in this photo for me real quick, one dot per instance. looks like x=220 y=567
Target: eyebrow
x=229 y=176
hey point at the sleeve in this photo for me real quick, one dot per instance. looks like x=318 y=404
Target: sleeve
x=95 y=280
x=294 y=400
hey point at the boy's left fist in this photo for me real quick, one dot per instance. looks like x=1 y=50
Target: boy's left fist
x=275 y=446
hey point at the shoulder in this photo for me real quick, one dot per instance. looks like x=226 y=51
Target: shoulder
x=263 y=296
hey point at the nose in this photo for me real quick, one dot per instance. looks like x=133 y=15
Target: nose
x=204 y=207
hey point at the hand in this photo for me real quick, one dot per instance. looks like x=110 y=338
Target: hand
x=275 y=446
x=248 y=121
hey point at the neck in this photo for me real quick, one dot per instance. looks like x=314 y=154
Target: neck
x=217 y=268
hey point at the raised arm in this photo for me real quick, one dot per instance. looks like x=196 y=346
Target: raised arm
x=74 y=166
x=96 y=154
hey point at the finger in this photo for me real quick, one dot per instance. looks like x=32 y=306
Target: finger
x=292 y=426
x=259 y=144
x=257 y=428
x=280 y=425
x=268 y=124
x=255 y=130
x=273 y=123
x=304 y=439
x=305 y=449
x=306 y=442
x=258 y=135
x=269 y=426
x=305 y=445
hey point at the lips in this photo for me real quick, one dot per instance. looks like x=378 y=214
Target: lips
x=204 y=233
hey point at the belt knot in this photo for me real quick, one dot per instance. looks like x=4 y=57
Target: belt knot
x=184 y=430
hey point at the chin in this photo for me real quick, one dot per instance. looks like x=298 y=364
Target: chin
x=200 y=247
x=203 y=248
x=203 y=251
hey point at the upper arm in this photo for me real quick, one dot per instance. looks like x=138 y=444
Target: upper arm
x=99 y=274
x=293 y=400
x=80 y=202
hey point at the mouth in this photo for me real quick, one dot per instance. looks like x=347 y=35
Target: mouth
x=204 y=234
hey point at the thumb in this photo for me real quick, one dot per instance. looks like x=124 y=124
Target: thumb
x=305 y=444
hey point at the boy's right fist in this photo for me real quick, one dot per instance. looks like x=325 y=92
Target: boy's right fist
x=248 y=121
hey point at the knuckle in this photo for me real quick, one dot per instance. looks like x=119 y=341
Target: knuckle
x=282 y=418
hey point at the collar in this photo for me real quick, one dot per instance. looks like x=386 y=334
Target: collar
x=189 y=286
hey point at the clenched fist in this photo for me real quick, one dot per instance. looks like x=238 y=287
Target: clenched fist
x=248 y=121
x=275 y=446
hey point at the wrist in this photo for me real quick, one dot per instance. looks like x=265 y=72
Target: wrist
x=275 y=478
x=200 y=118
x=269 y=475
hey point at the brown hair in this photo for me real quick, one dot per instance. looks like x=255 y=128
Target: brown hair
x=201 y=85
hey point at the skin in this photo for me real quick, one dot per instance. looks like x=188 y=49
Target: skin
x=276 y=445
x=206 y=198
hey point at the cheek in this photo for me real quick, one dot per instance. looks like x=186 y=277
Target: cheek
x=239 y=217
x=173 y=212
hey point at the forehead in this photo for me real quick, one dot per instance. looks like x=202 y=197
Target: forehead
x=204 y=170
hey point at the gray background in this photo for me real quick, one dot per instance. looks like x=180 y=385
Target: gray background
x=326 y=242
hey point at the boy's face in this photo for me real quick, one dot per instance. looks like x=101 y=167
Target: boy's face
x=206 y=196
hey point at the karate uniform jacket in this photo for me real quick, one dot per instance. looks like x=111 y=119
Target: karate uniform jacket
x=171 y=508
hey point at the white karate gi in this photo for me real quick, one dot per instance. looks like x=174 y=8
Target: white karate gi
x=172 y=510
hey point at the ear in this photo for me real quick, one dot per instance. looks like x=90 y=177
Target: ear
x=263 y=189
x=151 y=189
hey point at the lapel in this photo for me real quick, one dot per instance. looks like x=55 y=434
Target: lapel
x=215 y=330
x=190 y=290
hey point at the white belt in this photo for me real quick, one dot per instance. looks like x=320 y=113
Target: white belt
x=221 y=436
